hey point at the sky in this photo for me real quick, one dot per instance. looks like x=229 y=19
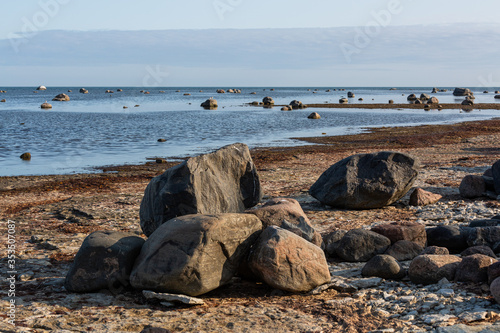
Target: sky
x=249 y=43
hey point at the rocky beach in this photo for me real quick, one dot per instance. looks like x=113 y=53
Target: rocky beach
x=50 y=216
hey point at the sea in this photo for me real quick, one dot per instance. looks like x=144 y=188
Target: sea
x=95 y=130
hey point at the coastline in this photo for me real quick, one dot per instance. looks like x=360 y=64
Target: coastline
x=63 y=209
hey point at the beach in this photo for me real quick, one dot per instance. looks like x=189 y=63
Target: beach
x=54 y=213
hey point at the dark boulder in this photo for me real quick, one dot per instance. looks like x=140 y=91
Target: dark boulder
x=366 y=181
x=225 y=181
x=104 y=261
x=361 y=245
x=383 y=266
x=454 y=238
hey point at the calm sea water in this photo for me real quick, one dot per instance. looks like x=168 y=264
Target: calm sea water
x=95 y=130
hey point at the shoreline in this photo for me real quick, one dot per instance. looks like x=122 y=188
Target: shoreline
x=61 y=210
x=458 y=106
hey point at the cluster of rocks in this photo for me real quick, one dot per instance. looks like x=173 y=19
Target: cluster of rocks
x=199 y=235
x=203 y=229
x=485 y=185
x=3 y=91
x=436 y=90
x=230 y=91
x=293 y=105
x=423 y=99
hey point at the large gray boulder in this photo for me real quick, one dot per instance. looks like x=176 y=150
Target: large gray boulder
x=104 y=261
x=195 y=254
x=288 y=262
x=361 y=245
x=287 y=214
x=452 y=237
x=366 y=181
x=225 y=181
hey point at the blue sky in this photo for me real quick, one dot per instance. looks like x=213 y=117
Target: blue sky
x=280 y=43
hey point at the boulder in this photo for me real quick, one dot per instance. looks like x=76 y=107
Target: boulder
x=268 y=101
x=497 y=96
x=296 y=104
x=332 y=240
x=480 y=249
x=25 y=156
x=314 y=115
x=489 y=236
x=404 y=250
x=41 y=88
x=472 y=186
x=434 y=90
x=484 y=223
x=433 y=100
x=411 y=97
x=209 y=104
x=109 y=92
x=225 y=181
x=474 y=268
x=424 y=97
x=61 y=98
x=462 y=92
x=420 y=197
x=361 y=245
x=343 y=101
x=495 y=289
x=436 y=250
x=195 y=254
x=350 y=94
x=495 y=170
x=391 y=101
x=286 y=108
x=493 y=271
x=221 y=91
x=286 y=261
x=468 y=102
x=396 y=231
x=366 y=181
x=46 y=106
x=287 y=214
x=83 y=91
x=454 y=238
x=430 y=269
x=104 y=261
x=383 y=266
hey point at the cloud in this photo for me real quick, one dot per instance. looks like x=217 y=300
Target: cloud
x=404 y=48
